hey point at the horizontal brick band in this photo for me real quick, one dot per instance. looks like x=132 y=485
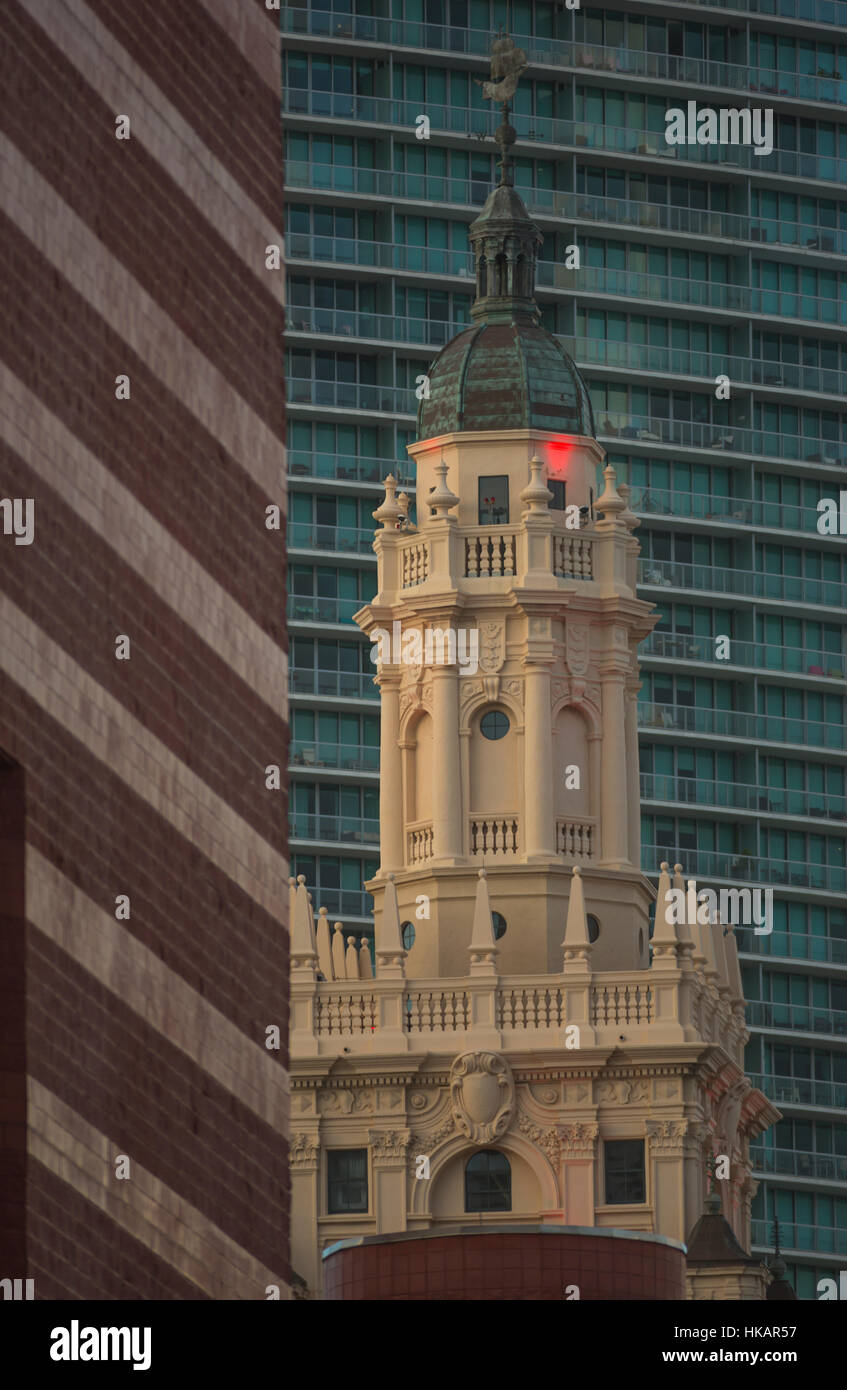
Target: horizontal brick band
x=102 y=946
x=106 y=839
x=112 y=511
x=73 y=249
x=106 y=728
x=151 y=444
x=151 y=1212
x=173 y=683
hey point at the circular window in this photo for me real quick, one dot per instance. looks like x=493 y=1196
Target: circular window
x=499 y=925
x=494 y=724
x=407 y=934
x=593 y=927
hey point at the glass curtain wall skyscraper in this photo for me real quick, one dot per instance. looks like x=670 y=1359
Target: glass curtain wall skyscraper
x=695 y=262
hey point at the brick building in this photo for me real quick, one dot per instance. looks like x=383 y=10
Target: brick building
x=138 y=1028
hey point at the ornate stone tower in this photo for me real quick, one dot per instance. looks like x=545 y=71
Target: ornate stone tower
x=525 y=758
x=525 y=1057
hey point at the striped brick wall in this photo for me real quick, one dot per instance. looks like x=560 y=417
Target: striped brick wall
x=143 y=777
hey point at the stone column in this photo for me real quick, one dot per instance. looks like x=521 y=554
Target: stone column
x=540 y=831
x=391 y=816
x=613 y=802
x=388 y=1153
x=633 y=789
x=447 y=799
x=304 y=1161
x=578 y=1148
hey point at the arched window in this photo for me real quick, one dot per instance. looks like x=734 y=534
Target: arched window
x=488 y=1182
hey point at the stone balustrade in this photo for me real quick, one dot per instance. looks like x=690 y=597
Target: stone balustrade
x=428 y=1014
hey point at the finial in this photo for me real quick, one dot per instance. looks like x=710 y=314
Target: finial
x=507 y=63
x=536 y=495
x=388 y=512
x=441 y=499
x=610 y=501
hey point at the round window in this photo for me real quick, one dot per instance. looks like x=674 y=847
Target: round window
x=593 y=927
x=499 y=925
x=407 y=934
x=494 y=724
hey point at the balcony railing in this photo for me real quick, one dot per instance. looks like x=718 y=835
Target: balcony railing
x=828 y=1167
x=817 y=11
x=304 y=680
x=792 y=946
x=430 y=260
x=645 y=357
x=356 y=540
x=746 y=868
x=303 y=609
x=726 y=226
x=396 y=328
x=800 y=1090
x=741 y=796
x=349 y=468
x=449 y=38
x=350 y=395
x=345 y=756
x=761 y=655
x=705 y=506
x=785 y=587
x=354 y=830
x=433 y=189
x=735 y=439
x=800 y=1017
x=793 y=1236
x=558 y=133
x=769 y=728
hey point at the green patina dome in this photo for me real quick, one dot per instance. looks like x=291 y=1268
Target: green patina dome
x=505 y=372
x=506 y=376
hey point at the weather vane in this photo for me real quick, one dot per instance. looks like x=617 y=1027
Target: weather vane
x=507 y=63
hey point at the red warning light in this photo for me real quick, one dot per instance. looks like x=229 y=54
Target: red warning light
x=558 y=451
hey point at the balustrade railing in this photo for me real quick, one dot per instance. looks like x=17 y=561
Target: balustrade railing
x=419 y=843
x=490 y=552
x=494 y=834
x=415 y=563
x=575 y=839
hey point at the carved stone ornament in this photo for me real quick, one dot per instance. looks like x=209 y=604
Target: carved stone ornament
x=428 y=1143
x=345 y=1102
x=304 y=1150
x=577 y=641
x=621 y=1092
x=545 y=1139
x=667 y=1136
x=389 y=1144
x=469 y=690
x=579 y=1138
x=515 y=689
x=482 y=1094
x=492 y=646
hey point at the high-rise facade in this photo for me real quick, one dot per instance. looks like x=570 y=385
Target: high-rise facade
x=143 y=931
x=693 y=263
